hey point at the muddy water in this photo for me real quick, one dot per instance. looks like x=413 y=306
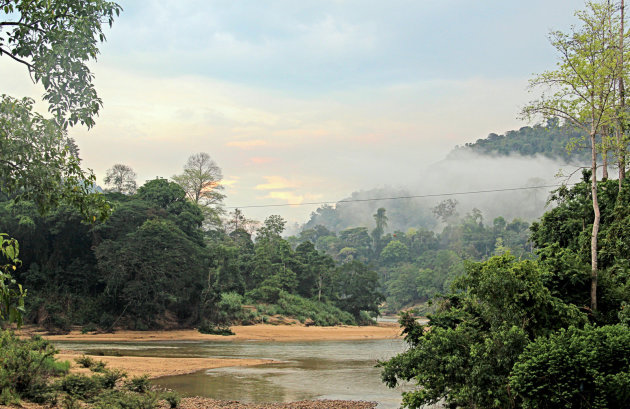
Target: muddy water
x=307 y=370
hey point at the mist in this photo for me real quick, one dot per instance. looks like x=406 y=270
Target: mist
x=455 y=177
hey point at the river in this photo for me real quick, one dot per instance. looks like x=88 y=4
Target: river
x=306 y=370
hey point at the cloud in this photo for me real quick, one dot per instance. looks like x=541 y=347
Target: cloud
x=247 y=144
x=289 y=197
x=276 y=183
x=258 y=160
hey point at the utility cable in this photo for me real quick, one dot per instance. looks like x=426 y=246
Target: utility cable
x=401 y=197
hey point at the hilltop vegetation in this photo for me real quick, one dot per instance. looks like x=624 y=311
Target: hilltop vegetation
x=550 y=140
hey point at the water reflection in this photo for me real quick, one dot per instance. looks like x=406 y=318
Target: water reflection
x=308 y=370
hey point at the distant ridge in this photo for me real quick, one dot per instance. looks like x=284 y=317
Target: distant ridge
x=548 y=140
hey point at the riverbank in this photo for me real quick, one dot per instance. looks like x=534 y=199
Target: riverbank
x=205 y=403
x=159 y=367
x=260 y=332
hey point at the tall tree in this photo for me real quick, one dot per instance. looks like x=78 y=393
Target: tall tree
x=121 y=178
x=381 y=223
x=582 y=90
x=201 y=180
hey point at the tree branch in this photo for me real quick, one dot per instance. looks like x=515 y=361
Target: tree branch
x=29 y=65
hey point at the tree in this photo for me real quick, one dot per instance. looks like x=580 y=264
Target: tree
x=575 y=368
x=463 y=357
x=446 y=210
x=36 y=162
x=583 y=90
x=381 y=223
x=201 y=180
x=11 y=294
x=55 y=40
x=356 y=288
x=121 y=178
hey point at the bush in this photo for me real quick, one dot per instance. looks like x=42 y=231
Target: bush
x=322 y=314
x=265 y=294
x=172 y=398
x=99 y=366
x=139 y=384
x=126 y=400
x=211 y=329
x=85 y=361
x=81 y=386
x=575 y=368
x=109 y=378
x=9 y=397
x=26 y=366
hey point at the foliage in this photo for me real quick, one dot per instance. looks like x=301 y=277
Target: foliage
x=201 y=180
x=138 y=384
x=26 y=366
x=109 y=378
x=212 y=329
x=323 y=314
x=85 y=361
x=356 y=289
x=36 y=163
x=81 y=386
x=550 y=139
x=466 y=352
x=11 y=294
x=55 y=40
x=121 y=178
x=172 y=398
x=575 y=368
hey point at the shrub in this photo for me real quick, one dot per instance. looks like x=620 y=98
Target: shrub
x=9 y=397
x=99 y=366
x=109 y=378
x=575 y=368
x=211 y=329
x=172 y=398
x=26 y=366
x=139 y=384
x=70 y=402
x=322 y=314
x=80 y=386
x=126 y=400
x=85 y=361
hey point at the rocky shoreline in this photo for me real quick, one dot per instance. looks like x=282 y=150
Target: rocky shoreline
x=207 y=403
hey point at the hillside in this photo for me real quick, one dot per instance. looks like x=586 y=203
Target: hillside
x=550 y=140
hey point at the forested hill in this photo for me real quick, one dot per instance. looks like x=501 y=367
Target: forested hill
x=549 y=140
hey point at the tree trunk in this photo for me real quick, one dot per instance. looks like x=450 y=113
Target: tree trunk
x=605 y=153
x=596 y=218
x=622 y=106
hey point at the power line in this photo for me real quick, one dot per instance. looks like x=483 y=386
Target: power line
x=401 y=197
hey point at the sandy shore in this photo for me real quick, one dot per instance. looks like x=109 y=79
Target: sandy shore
x=205 y=403
x=260 y=332
x=158 y=367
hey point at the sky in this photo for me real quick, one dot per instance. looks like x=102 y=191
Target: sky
x=310 y=100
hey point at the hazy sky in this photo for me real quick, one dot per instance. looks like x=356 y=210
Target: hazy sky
x=309 y=100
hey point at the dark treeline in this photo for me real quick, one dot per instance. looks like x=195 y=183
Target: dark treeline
x=152 y=265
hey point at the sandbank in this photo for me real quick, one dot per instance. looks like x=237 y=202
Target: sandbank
x=156 y=367
x=260 y=332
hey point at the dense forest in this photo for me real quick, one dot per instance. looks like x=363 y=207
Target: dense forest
x=151 y=265
x=551 y=140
